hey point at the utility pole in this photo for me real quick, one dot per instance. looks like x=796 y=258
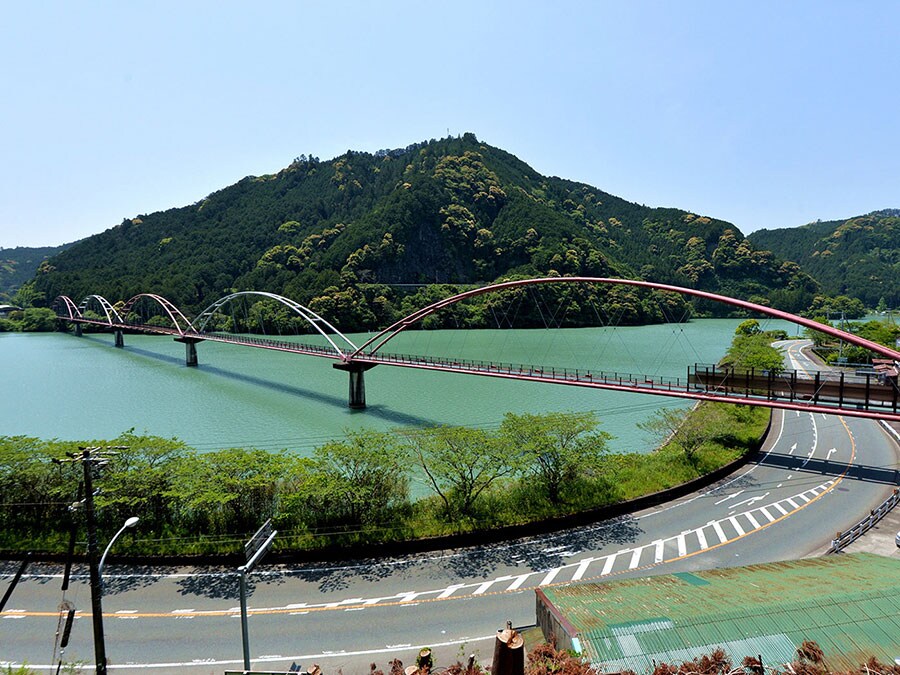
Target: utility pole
x=87 y=463
x=89 y=458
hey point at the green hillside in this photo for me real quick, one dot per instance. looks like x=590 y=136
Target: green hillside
x=18 y=265
x=339 y=235
x=859 y=257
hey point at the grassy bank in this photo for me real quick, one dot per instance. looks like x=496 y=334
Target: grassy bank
x=354 y=491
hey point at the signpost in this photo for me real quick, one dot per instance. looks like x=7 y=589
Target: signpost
x=254 y=550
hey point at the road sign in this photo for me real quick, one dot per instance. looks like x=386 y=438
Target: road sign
x=259 y=544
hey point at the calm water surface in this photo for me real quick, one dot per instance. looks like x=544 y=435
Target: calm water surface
x=60 y=386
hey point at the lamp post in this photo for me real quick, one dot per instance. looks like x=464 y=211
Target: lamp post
x=131 y=522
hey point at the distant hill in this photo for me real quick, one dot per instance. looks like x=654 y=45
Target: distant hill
x=334 y=234
x=18 y=265
x=859 y=257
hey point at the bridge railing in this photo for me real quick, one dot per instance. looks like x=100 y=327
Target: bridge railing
x=525 y=370
x=867 y=390
x=269 y=342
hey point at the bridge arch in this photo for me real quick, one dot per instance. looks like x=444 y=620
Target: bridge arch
x=112 y=316
x=66 y=308
x=179 y=321
x=308 y=315
x=377 y=341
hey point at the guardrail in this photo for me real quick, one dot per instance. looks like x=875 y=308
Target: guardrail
x=843 y=539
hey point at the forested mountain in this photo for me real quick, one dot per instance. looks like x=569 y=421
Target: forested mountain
x=18 y=265
x=340 y=235
x=859 y=257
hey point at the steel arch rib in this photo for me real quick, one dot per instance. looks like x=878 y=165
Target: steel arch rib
x=108 y=309
x=174 y=313
x=308 y=315
x=380 y=339
x=71 y=307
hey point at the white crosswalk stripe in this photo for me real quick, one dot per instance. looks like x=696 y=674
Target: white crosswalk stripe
x=701 y=538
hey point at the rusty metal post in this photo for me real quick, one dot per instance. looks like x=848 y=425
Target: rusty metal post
x=509 y=652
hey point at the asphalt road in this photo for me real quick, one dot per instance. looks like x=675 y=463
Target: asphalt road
x=817 y=474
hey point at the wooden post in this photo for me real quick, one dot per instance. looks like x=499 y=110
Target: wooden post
x=509 y=652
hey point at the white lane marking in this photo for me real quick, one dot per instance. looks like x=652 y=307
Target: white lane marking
x=126 y=611
x=804 y=497
x=582 y=568
x=830 y=453
x=608 y=565
x=182 y=611
x=729 y=497
x=701 y=537
x=765 y=512
x=682 y=545
x=793 y=447
x=450 y=590
x=751 y=500
x=778 y=506
x=752 y=520
x=790 y=501
x=736 y=525
x=635 y=557
x=551 y=575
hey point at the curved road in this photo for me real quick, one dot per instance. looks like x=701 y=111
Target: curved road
x=817 y=474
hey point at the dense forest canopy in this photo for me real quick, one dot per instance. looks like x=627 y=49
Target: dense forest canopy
x=18 y=265
x=859 y=257
x=344 y=235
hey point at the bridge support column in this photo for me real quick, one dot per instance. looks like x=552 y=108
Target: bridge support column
x=77 y=330
x=357 y=372
x=190 y=350
x=120 y=339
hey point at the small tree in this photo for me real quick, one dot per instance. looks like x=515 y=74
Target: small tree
x=461 y=464
x=366 y=475
x=688 y=429
x=557 y=447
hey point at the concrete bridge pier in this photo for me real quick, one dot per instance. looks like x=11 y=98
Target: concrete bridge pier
x=77 y=330
x=190 y=350
x=357 y=372
x=120 y=339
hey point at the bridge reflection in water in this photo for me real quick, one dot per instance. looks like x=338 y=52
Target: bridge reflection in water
x=868 y=395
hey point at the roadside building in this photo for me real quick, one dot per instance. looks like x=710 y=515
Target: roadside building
x=848 y=604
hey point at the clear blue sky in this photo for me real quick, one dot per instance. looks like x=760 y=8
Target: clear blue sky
x=765 y=114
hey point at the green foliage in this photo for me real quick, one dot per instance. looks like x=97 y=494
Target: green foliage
x=858 y=258
x=837 y=307
x=461 y=463
x=748 y=327
x=366 y=476
x=557 y=449
x=352 y=491
x=754 y=351
x=883 y=332
x=19 y=265
x=685 y=430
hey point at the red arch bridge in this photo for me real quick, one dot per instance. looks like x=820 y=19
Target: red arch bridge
x=868 y=395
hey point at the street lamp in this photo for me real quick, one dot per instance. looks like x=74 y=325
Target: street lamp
x=131 y=522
